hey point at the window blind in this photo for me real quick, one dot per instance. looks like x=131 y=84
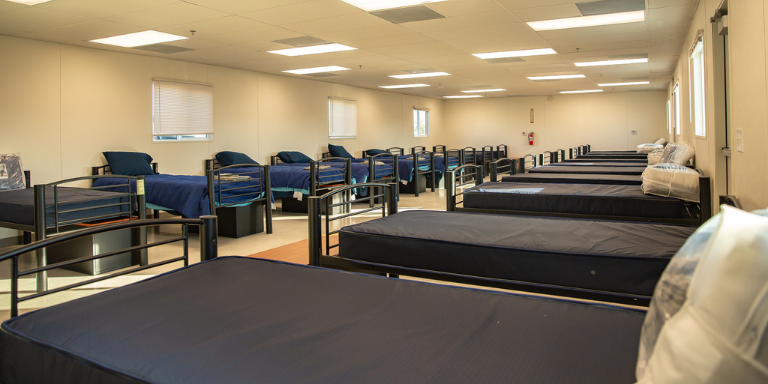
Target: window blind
x=342 y=118
x=181 y=108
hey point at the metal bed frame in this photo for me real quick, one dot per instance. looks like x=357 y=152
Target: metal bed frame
x=43 y=229
x=208 y=250
x=523 y=163
x=697 y=213
x=320 y=253
x=550 y=157
x=448 y=154
x=502 y=166
x=315 y=184
x=417 y=152
x=213 y=171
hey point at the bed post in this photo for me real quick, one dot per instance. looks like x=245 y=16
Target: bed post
x=541 y=158
x=570 y=153
x=211 y=191
x=478 y=175
x=208 y=238
x=450 y=191
x=348 y=181
x=432 y=169
x=40 y=228
x=141 y=199
x=390 y=193
x=514 y=167
x=494 y=171
x=416 y=174
x=371 y=179
x=26 y=236
x=312 y=180
x=267 y=198
x=705 y=199
x=315 y=234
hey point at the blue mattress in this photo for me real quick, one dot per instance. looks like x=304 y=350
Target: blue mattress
x=243 y=320
x=186 y=195
x=406 y=168
x=294 y=178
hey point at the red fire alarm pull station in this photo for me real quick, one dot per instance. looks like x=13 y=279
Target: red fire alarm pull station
x=530 y=138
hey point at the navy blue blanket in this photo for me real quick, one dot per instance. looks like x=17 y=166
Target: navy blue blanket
x=294 y=178
x=405 y=166
x=186 y=195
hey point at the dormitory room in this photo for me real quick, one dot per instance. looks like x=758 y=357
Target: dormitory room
x=384 y=191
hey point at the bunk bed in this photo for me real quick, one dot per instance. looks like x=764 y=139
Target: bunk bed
x=292 y=182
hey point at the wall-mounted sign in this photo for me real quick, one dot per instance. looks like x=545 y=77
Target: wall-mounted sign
x=531 y=115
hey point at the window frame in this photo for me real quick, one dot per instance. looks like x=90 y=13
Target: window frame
x=330 y=116
x=697 y=71
x=676 y=109
x=183 y=137
x=669 y=116
x=416 y=119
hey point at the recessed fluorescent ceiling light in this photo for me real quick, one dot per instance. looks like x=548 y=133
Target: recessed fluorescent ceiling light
x=375 y=5
x=484 y=90
x=305 y=71
x=313 y=50
x=403 y=86
x=611 y=62
x=556 y=77
x=524 y=53
x=29 y=2
x=139 y=38
x=463 y=97
x=620 y=84
x=584 y=91
x=588 y=21
x=417 y=75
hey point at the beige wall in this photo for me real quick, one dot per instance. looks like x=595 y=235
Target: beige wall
x=603 y=120
x=748 y=39
x=61 y=106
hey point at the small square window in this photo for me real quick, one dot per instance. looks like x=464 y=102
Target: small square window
x=420 y=123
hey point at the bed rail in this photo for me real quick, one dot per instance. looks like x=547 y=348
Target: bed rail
x=466 y=175
x=208 y=250
x=560 y=155
x=259 y=189
x=324 y=178
x=439 y=148
x=320 y=245
x=502 y=166
x=523 y=162
x=105 y=170
x=396 y=151
x=547 y=158
x=502 y=151
x=418 y=149
x=430 y=172
x=383 y=173
x=730 y=200
x=468 y=154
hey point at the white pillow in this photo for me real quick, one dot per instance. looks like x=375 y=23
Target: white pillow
x=654 y=157
x=683 y=153
x=661 y=141
x=718 y=336
x=11 y=171
x=671 y=180
x=648 y=148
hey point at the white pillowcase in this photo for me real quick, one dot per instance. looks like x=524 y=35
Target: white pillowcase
x=661 y=141
x=648 y=148
x=654 y=157
x=683 y=153
x=671 y=180
x=718 y=335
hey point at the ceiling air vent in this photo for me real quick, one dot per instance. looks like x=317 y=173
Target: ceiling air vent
x=610 y=6
x=163 y=48
x=505 y=60
x=408 y=14
x=322 y=74
x=303 y=41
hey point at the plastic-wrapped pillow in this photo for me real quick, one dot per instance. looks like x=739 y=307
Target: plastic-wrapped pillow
x=648 y=148
x=682 y=154
x=708 y=322
x=666 y=155
x=11 y=171
x=671 y=180
x=661 y=141
x=654 y=157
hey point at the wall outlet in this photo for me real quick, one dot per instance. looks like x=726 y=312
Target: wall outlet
x=634 y=132
x=524 y=133
x=740 y=140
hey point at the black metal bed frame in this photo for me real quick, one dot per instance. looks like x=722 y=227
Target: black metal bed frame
x=523 y=162
x=697 y=213
x=417 y=152
x=213 y=177
x=466 y=175
x=315 y=185
x=320 y=255
x=550 y=158
x=43 y=229
x=208 y=250
x=373 y=176
x=502 y=166
x=468 y=159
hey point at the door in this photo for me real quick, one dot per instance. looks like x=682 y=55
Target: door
x=723 y=180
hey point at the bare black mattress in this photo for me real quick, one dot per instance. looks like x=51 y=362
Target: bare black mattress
x=599 y=255
x=574 y=178
x=580 y=199
x=243 y=320
x=592 y=169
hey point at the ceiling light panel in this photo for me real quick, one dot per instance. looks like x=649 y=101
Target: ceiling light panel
x=306 y=71
x=403 y=86
x=524 y=53
x=29 y=2
x=463 y=97
x=313 y=50
x=139 y=38
x=588 y=21
x=627 y=83
x=375 y=5
x=583 y=91
x=611 y=62
x=556 y=77
x=484 y=90
x=418 y=75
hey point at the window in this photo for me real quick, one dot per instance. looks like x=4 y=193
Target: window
x=697 y=87
x=342 y=118
x=669 y=118
x=181 y=111
x=420 y=122
x=676 y=95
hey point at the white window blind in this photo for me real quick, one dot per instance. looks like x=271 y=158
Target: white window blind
x=420 y=122
x=669 y=117
x=676 y=94
x=181 y=108
x=697 y=85
x=342 y=118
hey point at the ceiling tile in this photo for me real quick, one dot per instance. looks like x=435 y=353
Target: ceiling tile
x=374 y=32
x=460 y=22
x=104 y=8
x=484 y=31
x=305 y=11
x=91 y=30
x=236 y=7
x=31 y=19
x=339 y=23
x=217 y=26
x=466 y=7
x=167 y=15
x=6 y=6
x=547 y=13
x=253 y=36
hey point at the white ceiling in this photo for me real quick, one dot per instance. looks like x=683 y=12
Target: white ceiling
x=237 y=34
